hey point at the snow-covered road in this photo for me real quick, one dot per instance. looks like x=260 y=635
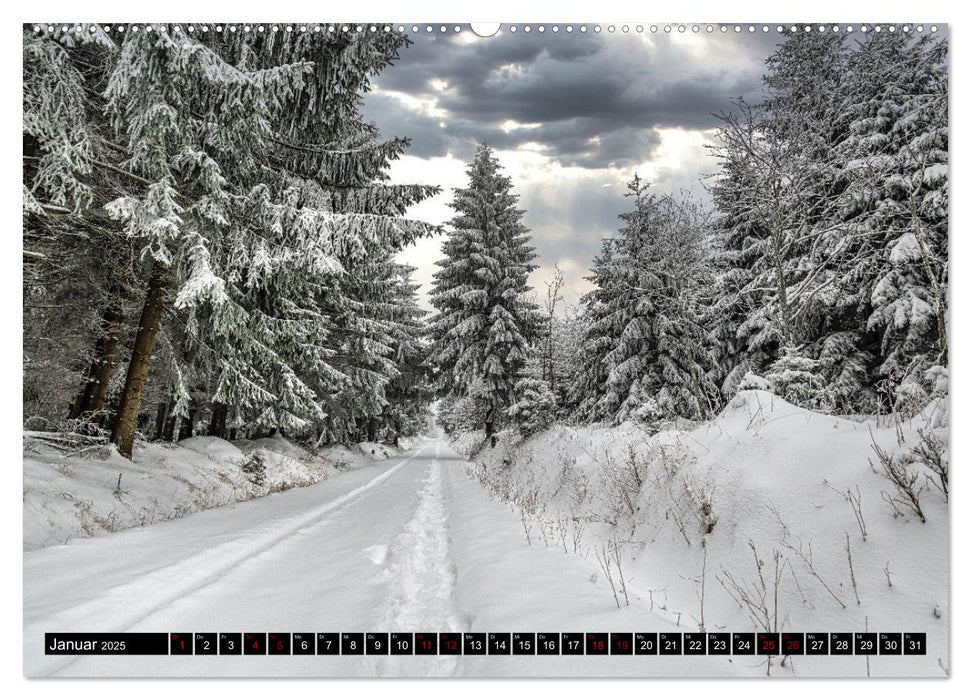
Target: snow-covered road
x=409 y=544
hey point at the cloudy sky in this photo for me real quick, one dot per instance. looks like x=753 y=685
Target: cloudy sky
x=572 y=117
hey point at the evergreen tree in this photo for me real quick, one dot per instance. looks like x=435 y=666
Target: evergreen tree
x=832 y=234
x=645 y=337
x=606 y=310
x=535 y=407
x=410 y=392
x=255 y=198
x=806 y=87
x=895 y=163
x=542 y=391
x=567 y=365
x=316 y=274
x=484 y=324
x=78 y=264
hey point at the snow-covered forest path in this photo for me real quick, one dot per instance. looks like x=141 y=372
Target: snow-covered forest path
x=409 y=544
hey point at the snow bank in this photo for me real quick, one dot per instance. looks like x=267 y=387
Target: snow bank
x=707 y=520
x=78 y=494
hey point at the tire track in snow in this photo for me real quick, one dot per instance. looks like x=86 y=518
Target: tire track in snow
x=176 y=579
x=421 y=578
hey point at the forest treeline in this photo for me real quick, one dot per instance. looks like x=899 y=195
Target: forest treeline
x=209 y=237
x=819 y=271
x=209 y=242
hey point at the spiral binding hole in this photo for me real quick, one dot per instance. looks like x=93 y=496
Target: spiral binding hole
x=416 y=29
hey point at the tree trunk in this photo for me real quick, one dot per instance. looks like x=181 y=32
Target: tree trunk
x=781 y=284
x=942 y=333
x=217 y=425
x=168 y=432
x=490 y=429
x=187 y=426
x=92 y=397
x=160 y=418
x=123 y=434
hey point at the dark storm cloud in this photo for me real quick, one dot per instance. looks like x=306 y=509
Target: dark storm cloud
x=597 y=98
x=587 y=100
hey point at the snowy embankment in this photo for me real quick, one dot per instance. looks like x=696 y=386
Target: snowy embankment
x=92 y=491
x=768 y=517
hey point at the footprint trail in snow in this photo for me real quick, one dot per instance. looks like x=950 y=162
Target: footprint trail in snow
x=421 y=578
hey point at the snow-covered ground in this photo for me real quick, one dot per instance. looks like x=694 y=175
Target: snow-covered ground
x=69 y=494
x=531 y=543
x=701 y=518
x=394 y=546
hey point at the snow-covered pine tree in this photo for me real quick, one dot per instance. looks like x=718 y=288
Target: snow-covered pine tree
x=250 y=186
x=77 y=262
x=410 y=392
x=605 y=311
x=537 y=405
x=484 y=322
x=841 y=272
x=895 y=160
x=778 y=196
x=326 y=179
x=645 y=334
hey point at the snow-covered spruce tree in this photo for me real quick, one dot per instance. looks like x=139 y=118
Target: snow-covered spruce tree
x=645 y=335
x=410 y=392
x=780 y=227
x=380 y=351
x=605 y=311
x=60 y=138
x=484 y=324
x=248 y=184
x=681 y=378
x=537 y=404
x=895 y=162
x=764 y=195
x=807 y=86
x=326 y=180
x=77 y=262
x=189 y=128
x=826 y=272
x=568 y=333
x=798 y=379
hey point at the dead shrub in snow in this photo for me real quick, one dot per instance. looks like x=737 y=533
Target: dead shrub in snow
x=610 y=555
x=905 y=480
x=932 y=451
x=760 y=596
x=805 y=554
x=571 y=484
x=855 y=499
x=690 y=499
x=621 y=483
x=667 y=461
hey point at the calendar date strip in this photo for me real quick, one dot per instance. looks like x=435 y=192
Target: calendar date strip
x=487 y=643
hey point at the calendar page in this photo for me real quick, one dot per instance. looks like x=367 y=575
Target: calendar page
x=519 y=350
